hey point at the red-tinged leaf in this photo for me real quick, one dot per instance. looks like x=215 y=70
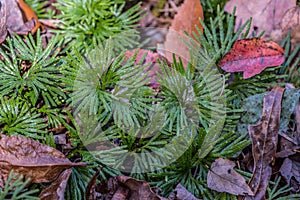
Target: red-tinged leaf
x=56 y=191
x=252 y=56
x=32 y=159
x=264 y=136
x=223 y=178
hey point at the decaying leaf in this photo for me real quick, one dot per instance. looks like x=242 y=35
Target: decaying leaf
x=32 y=159
x=90 y=192
x=138 y=189
x=12 y=19
x=121 y=187
x=266 y=15
x=181 y=192
x=264 y=136
x=187 y=18
x=223 y=178
x=30 y=15
x=289 y=169
x=252 y=56
x=290 y=23
x=151 y=60
x=56 y=190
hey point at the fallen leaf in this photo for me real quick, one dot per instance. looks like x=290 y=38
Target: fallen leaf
x=121 y=187
x=266 y=15
x=222 y=178
x=151 y=58
x=90 y=192
x=286 y=146
x=138 y=189
x=181 y=192
x=30 y=15
x=264 y=136
x=32 y=159
x=252 y=56
x=12 y=20
x=291 y=23
x=289 y=169
x=187 y=18
x=56 y=191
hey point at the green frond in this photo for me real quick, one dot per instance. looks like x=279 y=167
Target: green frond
x=78 y=182
x=18 y=118
x=16 y=188
x=109 y=87
x=40 y=9
x=31 y=72
x=291 y=65
x=86 y=24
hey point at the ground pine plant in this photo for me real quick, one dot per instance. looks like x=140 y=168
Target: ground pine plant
x=114 y=122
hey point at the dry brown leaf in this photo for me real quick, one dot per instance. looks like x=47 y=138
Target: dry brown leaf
x=181 y=192
x=138 y=189
x=223 y=178
x=12 y=20
x=121 y=188
x=266 y=15
x=30 y=15
x=290 y=168
x=56 y=191
x=187 y=18
x=32 y=159
x=291 y=23
x=264 y=136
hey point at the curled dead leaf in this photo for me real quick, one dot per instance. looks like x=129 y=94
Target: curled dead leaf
x=56 y=191
x=264 y=136
x=30 y=15
x=11 y=18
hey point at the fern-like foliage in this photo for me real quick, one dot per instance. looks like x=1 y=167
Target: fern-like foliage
x=291 y=65
x=16 y=188
x=17 y=118
x=41 y=9
x=85 y=24
x=31 y=72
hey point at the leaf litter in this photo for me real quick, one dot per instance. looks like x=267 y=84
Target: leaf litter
x=222 y=176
